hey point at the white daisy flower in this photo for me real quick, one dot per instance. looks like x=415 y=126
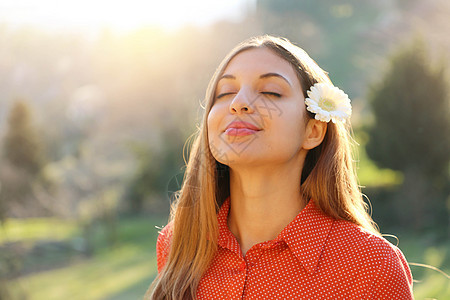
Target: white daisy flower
x=328 y=103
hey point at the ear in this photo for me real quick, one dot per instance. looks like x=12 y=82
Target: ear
x=314 y=134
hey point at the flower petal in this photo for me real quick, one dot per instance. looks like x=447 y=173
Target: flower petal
x=328 y=103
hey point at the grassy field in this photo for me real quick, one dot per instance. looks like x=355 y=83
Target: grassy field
x=125 y=270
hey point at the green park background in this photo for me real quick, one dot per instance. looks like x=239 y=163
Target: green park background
x=92 y=129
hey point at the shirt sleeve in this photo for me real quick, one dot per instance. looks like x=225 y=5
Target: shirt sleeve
x=394 y=280
x=163 y=246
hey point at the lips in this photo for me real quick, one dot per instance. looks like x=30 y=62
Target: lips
x=241 y=128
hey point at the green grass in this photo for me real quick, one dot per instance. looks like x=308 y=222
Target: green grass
x=120 y=272
x=126 y=270
x=34 y=229
x=370 y=175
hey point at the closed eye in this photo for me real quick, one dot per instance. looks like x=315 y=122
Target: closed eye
x=272 y=94
x=223 y=95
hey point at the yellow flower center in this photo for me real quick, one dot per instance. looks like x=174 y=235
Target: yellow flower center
x=327 y=104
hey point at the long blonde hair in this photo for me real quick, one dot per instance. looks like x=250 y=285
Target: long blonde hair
x=328 y=177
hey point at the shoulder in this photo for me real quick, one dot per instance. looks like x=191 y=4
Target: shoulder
x=382 y=263
x=163 y=245
x=368 y=245
x=358 y=238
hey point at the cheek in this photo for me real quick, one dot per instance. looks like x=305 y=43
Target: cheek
x=216 y=144
x=213 y=120
x=289 y=130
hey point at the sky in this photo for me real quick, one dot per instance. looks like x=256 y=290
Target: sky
x=119 y=15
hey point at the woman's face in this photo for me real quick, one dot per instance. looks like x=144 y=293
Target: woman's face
x=258 y=115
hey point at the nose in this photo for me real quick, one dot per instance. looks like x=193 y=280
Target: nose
x=241 y=103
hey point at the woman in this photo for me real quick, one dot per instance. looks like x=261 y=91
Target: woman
x=270 y=207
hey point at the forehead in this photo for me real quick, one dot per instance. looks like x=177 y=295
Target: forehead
x=257 y=61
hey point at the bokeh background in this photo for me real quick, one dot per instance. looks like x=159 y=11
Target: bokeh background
x=97 y=99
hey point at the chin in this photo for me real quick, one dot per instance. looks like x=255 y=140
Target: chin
x=245 y=159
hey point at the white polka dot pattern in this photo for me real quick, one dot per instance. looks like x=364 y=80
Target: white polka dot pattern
x=314 y=257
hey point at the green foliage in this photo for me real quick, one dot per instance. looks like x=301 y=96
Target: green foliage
x=411 y=108
x=369 y=175
x=411 y=134
x=429 y=261
x=155 y=169
x=334 y=32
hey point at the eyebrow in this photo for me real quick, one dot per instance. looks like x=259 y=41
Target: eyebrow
x=227 y=76
x=267 y=75
x=263 y=76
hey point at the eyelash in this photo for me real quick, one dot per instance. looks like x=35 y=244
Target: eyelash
x=264 y=93
x=272 y=94
x=223 y=95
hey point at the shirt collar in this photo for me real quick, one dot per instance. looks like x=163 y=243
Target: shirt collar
x=226 y=238
x=305 y=236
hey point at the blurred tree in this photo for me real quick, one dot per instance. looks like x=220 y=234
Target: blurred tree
x=411 y=132
x=22 y=159
x=149 y=186
x=21 y=145
x=411 y=107
x=144 y=182
x=334 y=32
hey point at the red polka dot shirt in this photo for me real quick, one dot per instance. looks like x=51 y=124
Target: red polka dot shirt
x=314 y=257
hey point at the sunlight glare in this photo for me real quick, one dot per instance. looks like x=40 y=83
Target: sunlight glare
x=117 y=15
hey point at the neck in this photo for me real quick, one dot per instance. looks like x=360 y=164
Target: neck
x=264 y=201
